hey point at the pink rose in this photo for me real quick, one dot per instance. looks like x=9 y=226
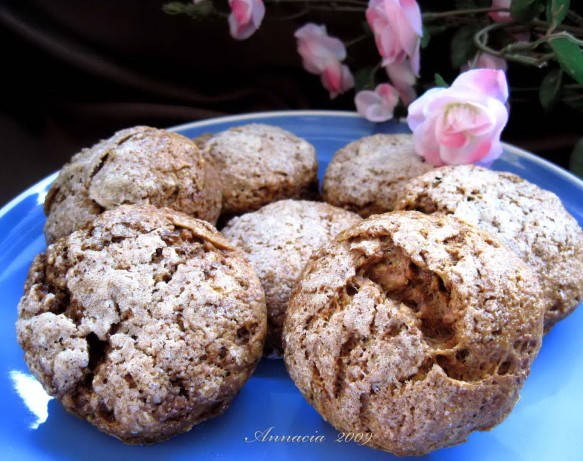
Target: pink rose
x=245 y=17
x=486 y=61
x=337 y=79
x=396 y=25
x=403 y=78
x=323 y=55
x=461 y=124
x=500 y=16
x=377 y=105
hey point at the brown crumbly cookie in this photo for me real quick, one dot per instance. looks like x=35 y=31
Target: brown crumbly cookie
x=145 y=322
x=367 y=175
x=259 y=164
x=139 y=165
x=529 y=220
x=278 y=240
x=414 y=328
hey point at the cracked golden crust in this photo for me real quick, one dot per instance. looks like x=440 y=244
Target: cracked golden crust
x=259 y=164
x=529 y=220
x=278 y=240
x=416 y=329
x=145 y=323
x=368 y=175
x=139 y=165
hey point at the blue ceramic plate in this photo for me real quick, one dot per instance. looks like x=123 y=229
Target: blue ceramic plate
x=547 y=423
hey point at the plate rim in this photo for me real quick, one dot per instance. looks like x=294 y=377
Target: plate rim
x=518 y=151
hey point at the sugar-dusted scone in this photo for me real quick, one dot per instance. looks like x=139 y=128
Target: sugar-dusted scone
x=529 y=220
x=259 y=164
x=417 y=329
x=145 y=322
x=139 y=165
x=367 y=175
x=278 y=240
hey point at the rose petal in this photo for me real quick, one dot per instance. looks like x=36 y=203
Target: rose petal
x=499 y=16
x=417 y=109
x=337 y=79
x=425 y=144
x=245 y=17
x=403 y=79
x=378 y=105
x=462 y=123
x=488 y=82
x=397 y=28
x=413 y=14
x=473 y=151
x=317 y=49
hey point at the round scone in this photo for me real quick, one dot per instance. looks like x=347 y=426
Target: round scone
x=415 y=329
x=139 y=165
x=529 y=220
x=259 y=164
x=145 y=322
x=278 y=240
x=367 y=175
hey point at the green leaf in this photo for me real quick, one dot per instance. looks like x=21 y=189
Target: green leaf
x=569 y=56
x=364 y=79
x=573 y=97
x=366 y=29
x=576 y=162
x=426 y=37
x=525 y=10
x=174 y=8
x=462 y=45
x=194 y=10
x=440 y=81
x=550 y=88
x=436 y=29
x=557 y=11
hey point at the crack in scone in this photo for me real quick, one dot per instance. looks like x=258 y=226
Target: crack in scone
x=416 y=329
x=139 y=165
x=145 y=323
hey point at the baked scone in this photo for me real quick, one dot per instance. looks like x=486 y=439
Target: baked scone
x=529 y=220
x=145 y=322
x=139 y=165
x=416 y=329
x=367 y=175
x=278 y=240
x=259 y=164
x=202 y=139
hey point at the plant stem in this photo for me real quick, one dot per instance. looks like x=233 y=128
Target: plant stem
x=445 y=14
x=481 y=38
x=356 y=40
x=291 y=16
x=537 y=23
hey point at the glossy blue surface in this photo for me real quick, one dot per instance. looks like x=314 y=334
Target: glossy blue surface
x=547 y=423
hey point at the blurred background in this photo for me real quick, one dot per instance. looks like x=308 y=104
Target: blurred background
x=75 y=72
